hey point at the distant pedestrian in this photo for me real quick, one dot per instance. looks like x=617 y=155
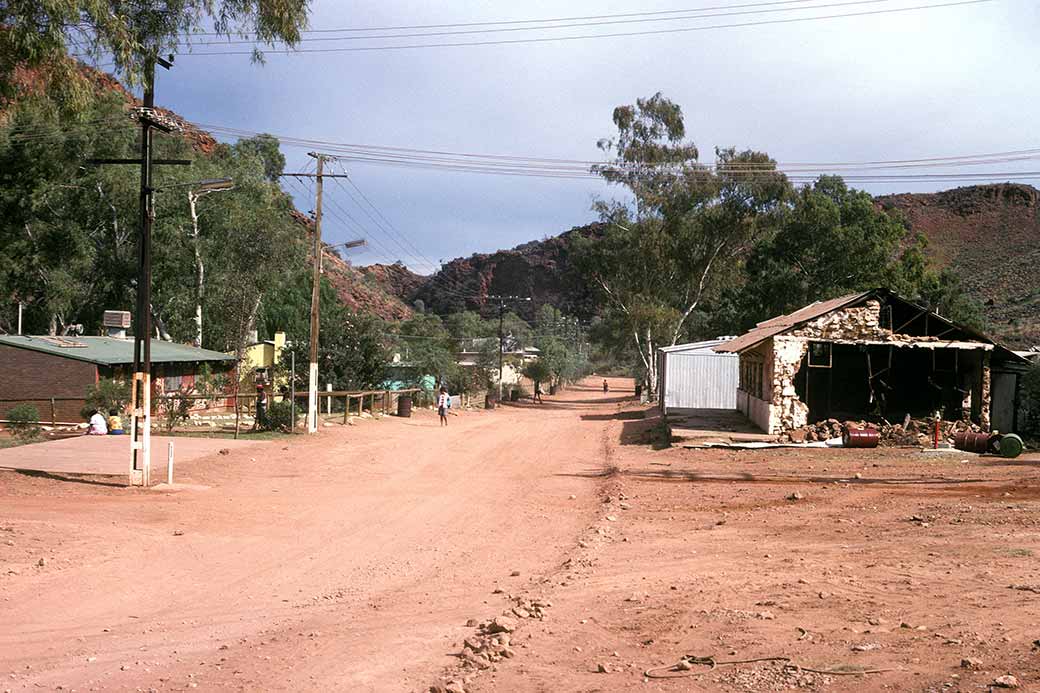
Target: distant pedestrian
x=443 y=405
x=261 y=409
x=538 y=392
x=605 y=387
x=98 y=425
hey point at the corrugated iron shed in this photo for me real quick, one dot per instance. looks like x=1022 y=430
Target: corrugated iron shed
x=110 y=351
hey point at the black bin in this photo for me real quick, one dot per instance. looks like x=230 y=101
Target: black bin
x=404 y=406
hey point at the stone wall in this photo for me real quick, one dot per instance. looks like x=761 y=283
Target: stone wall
x=786 y=410
x=856 y=322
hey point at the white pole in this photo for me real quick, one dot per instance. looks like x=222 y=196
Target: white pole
x=312 y=399
x=20 y=304
x=328 y=400
x=169 y=463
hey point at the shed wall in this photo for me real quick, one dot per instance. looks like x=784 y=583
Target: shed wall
x=700 y=381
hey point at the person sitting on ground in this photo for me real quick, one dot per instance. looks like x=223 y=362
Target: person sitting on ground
x=115 y=423
x=98 y=425
x=443 y=404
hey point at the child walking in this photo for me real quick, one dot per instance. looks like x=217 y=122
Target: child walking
x=443 y=402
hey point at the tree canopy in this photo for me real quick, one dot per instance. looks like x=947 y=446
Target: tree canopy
x=699 y=250
x=39 y=35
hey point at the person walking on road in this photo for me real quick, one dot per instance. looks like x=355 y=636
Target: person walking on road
x=605 y=388
x=538 y=392
x=443 y=404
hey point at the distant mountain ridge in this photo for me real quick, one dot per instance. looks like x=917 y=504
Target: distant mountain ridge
x=989 y=235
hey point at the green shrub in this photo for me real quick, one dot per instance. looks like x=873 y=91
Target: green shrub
x=279 y=416
x=105 y=396
x=173 y=408
x=24 y=422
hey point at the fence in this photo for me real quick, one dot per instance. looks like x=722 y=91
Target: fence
x=52 y=410
x=232 y=402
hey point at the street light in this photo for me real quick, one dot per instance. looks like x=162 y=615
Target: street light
x=347 y=245
x=198 y=189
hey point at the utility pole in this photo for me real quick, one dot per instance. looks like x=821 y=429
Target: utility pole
x=312 y=382
x=501 y=335
x=141 y=385
x=316 y=258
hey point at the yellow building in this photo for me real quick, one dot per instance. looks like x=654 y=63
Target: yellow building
x=262 y=356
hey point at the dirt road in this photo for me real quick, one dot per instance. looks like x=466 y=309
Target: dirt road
x=354 y=560
x=349 y=561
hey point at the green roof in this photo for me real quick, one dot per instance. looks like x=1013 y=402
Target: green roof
x=110 y=351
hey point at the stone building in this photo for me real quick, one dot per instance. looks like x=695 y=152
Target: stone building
x=873 y=355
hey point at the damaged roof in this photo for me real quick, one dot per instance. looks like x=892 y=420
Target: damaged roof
x=774 y=326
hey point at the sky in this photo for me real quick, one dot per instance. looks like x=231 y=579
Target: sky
x=948 y=81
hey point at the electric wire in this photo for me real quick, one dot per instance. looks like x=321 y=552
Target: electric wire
x=583 y=37
x=388 y=225
x=700 y=14
x=409 y=27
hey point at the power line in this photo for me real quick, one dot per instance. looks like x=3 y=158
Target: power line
x=383 y=154
x=331 y=208
x=582 y=37
x=529 y=21
x=700 y=14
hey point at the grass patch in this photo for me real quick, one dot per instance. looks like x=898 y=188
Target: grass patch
x=1019 y=553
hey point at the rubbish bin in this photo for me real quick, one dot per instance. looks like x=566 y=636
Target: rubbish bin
x=639 y=390
x=489 y=401
x=404 y=406
x=514 y=395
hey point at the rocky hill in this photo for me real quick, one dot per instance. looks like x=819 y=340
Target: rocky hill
x=357 y=288
x=540 y=270
x=990 y=236
x=395 y=279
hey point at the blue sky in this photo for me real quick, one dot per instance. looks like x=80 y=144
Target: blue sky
x=943 y=82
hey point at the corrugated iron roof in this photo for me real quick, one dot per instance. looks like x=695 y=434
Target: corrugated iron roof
x=110 y=351
x=707 y=345
x=774 y=326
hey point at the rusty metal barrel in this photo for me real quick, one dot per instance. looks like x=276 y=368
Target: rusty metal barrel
x=860 y=437
x=969 y=441
x=404 y=406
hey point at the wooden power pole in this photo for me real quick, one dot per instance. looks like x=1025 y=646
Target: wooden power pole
x=501 y=335
x=316 y=258
x=312 y=382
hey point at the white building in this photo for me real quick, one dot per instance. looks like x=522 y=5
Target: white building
x=694 y=376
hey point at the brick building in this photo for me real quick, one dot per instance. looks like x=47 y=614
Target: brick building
x=53 y=373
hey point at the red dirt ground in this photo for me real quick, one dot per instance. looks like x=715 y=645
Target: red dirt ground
x=353 y=560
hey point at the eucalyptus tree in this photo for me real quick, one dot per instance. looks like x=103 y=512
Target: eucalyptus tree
x=683 y=229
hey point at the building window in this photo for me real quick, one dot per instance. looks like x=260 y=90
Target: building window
x=819 y=354
x=752 y=378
